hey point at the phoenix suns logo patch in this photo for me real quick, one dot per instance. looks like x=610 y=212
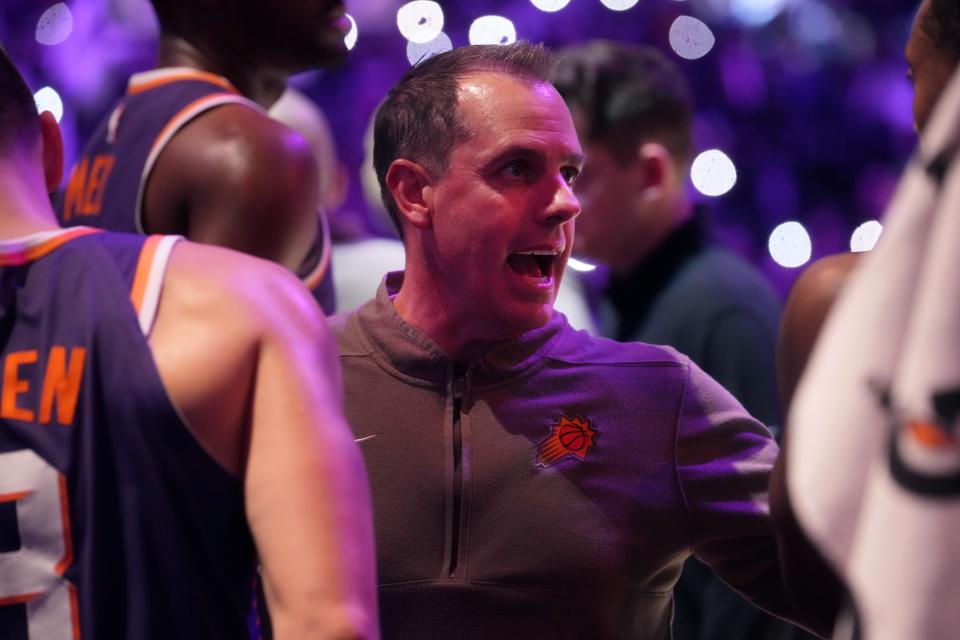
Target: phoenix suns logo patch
x=566 y=438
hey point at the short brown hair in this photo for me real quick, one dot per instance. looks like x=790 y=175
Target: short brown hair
x=627 y=94
x=419 y=119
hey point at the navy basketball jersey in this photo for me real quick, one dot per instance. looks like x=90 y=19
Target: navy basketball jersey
x=107 y=184
x=114 y=522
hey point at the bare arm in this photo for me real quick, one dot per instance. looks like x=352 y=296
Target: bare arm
x=235 y=178
x=307 y=496
x=248 y=360
x=806 y=310
x=812 y=584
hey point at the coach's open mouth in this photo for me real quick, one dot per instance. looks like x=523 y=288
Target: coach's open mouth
x=533 y=264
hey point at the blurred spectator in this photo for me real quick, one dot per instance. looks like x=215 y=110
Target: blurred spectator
x=671 y=284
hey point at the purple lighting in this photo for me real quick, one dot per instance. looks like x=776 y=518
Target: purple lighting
x=808 y=96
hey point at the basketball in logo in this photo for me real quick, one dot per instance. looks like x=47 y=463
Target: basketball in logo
x=566 y=438
x=572 y=436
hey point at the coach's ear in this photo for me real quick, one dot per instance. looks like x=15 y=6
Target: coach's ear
x=412 y=189
x=52 y=151
x=657 y=170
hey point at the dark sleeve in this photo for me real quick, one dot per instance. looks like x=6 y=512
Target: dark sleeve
x=740 y=354
x=724 y=461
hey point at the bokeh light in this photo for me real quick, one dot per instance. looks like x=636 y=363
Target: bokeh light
x=755 y=13
x=814 y=23
x=55 y=25
x=580 y=265
x=713 y=173
x=549 y=5
x=418 y=52
x=865 y=236
x=859 y=43
x=790 y=245
x=351 y=38
x=691 y=38
x=49 y=100
x=492 y=30
x=619 y=5
x=420 y=21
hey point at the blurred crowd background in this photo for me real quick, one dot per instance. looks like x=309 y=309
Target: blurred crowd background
x=803 y=106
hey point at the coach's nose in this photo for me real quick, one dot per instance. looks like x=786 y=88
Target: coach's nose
x=563 y=204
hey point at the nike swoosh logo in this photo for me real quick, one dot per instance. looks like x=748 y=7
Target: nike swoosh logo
x=365 y=438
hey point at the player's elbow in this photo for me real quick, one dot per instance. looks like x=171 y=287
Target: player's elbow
x=355 y=623
x=343 y=622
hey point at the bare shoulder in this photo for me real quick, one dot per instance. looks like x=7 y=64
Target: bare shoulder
x=233 y=147
x=214 y=284
x=235 y=178
x=245 y=357
x=820 y=284
x=235 y=128
x=808 y=305
x=238 y=127
x=221 y=315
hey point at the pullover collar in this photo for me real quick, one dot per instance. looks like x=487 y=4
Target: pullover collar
x=413 y=354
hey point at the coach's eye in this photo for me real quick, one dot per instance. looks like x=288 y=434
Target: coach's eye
x=570 y=174
x=516 y=169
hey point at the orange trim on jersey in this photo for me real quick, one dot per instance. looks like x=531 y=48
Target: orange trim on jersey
x=37 y=251
x=67 y=558
x=74 y=611
x=21 y=599
x=13 y=497
x=144 y=265
x=204 y=76
x=313 y=280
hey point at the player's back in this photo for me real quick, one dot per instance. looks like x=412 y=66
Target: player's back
x=114 y=522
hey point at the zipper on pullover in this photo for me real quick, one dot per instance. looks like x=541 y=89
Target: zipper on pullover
x=459 y=381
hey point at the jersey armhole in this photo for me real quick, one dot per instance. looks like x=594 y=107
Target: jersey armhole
x=148 y=278
x=315 y=275
x=177 y=122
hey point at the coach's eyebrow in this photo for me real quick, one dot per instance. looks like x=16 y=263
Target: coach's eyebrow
x=526 y=152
